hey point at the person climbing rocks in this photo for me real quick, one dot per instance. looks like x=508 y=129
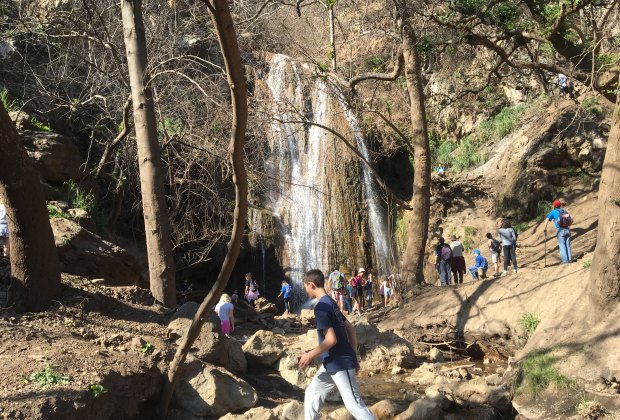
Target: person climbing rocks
x=335 y=287
x=458 y=260
x=479 y=270
x=387 y=290
x=562 y=221
x=443 y=262
x=508 y=237
x=358 y=283
x=251 y=289
x=225 y=310
x=494 y=248
x=285 y=293
x=5 y=245
x=337 y=350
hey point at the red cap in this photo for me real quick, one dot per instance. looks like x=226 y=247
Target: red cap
x=557 y=204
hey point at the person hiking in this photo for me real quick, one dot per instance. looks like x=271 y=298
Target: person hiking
x=508 y=237
x=285 y=292
x=337 y=350
x=251 y=289
x=479 y=270
x=562 y=221
x=335 y=286
x=225 y=310
x=387 y=290
x=358 y=283
x=348 y=300
x=458 y=260
x=354 y=300
x=368 y=290
x=443 y=262
x=494 y=248
x=5 y=245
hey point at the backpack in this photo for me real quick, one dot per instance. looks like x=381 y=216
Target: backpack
x=495 y=245
x=564 y=220
x=338 y=282
x=254 y=286
x=446 y=252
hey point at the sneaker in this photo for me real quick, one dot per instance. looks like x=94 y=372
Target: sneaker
x=504 y=273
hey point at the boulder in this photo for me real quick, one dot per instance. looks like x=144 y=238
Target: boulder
x=176 y=414
x=208 y=390
x=263 y=349
x=22 y=120
x=293 y=410
x=424 y=375
x=435 y=355
x=382 y=350
x=340 y=414
x=482 y=394
x=56 y=157
x=386 y=409
x=182 y=318
x=263 y=306
x=306 y=317
x=85 y=254
x=423 y=409
x=256 y=413
x=84 y=219
x=292 y=373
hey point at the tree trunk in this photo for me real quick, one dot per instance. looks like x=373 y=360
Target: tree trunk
x=605 y=271
x=35 y=269
x=332 y=38
x=156 y=223
x=225 y=30
x=413 y=257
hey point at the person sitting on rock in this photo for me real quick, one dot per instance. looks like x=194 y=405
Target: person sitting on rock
x=285 y=292
x=337 y=350
x=5 y=245
x=479 y=270
x=225 y=310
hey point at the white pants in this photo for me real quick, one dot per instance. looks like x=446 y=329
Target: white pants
x=324 y=382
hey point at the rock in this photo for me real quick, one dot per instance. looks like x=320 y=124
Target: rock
x=182 y=319
x=263 y=349
x=263 y=306
x=435 y=355
x=61 y=206
x=22 y=120
x=483 y=413
x=306 y=317
x=85 y=254
x=256 y=413
x=382 y=350
x=386 y=409
x=340 y=414
x=84 y=219
x=493 y=379
x=424 y=375
x=278 y=330
x=397 y=370
x=176 y=414
x=293 y=410
x=482 y=394
x=424 y=409
x=56 y=157
x=207 y=390
x=292 y=373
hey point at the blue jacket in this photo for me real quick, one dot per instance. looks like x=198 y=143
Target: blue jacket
x=481 y=262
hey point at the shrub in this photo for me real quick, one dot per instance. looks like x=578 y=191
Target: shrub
x=97 y=390
x=587 y=264
x=10 y=104
x=543 y=208
x=79 y=199
x=537 y=373
x=529 y=322
x=48 y=376
x=39 y=125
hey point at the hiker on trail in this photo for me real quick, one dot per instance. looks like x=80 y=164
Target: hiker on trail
x=562 y=221
x=337 y=350
x=225 y=311
x=458 y=260
x=443 y=262
x=387 y=290
x=5 y=245
x=494 y=248
x=479 y=270
x=356 y=303
x=348 y=300
x=335 y=286
x=251 y=289
x=566 y=85
x=508 y=236
x=358 y=283
x=368 y=290
x=285 y=292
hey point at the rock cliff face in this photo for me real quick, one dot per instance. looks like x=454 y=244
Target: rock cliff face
x=319 y=206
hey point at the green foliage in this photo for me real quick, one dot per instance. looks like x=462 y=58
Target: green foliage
x=529 y=322
x=470 y=230
x=147 y=348
x=39 y=125
x=469 y=7
x=97 y=390
x=425 y=45
x=520 y=227
x=505 y=15
x=590 y=409
x=543 y=208
x=586 y=264
x=375 y=63
x=48 y=376
x=592 y=107
x=78 y=198
x=537 y=373
x=330 y=3
x=501 y=124
x=171 y=125
x=468 y=243
x=492 y=99
x=11 y=105
x=56 y=213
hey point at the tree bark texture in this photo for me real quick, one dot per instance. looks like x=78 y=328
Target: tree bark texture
x=605 y=271
x=413 y=257
x=225 y=30
x=35 y=269
x=332 y=38
x=156 y=222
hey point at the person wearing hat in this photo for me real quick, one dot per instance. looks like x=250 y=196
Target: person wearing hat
x=562 y=221
x=480 y=269
x=358 y=284
x=458 y=260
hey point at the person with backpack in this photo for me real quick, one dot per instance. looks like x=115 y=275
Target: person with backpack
x=508 y=237
x=458 y=260
x=479 y=270
x=562 y=221
x=335 y=286
x=494 y=248
x=443 y=262
x=251 y=289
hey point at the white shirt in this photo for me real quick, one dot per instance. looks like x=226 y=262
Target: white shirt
x=562 y=80
x=3 y=219
x=457 y=248
x=223 y=309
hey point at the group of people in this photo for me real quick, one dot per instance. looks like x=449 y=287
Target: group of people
x=450 y=260
x=357 y=293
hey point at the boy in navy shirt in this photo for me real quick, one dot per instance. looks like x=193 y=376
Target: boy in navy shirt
x=337 y=344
